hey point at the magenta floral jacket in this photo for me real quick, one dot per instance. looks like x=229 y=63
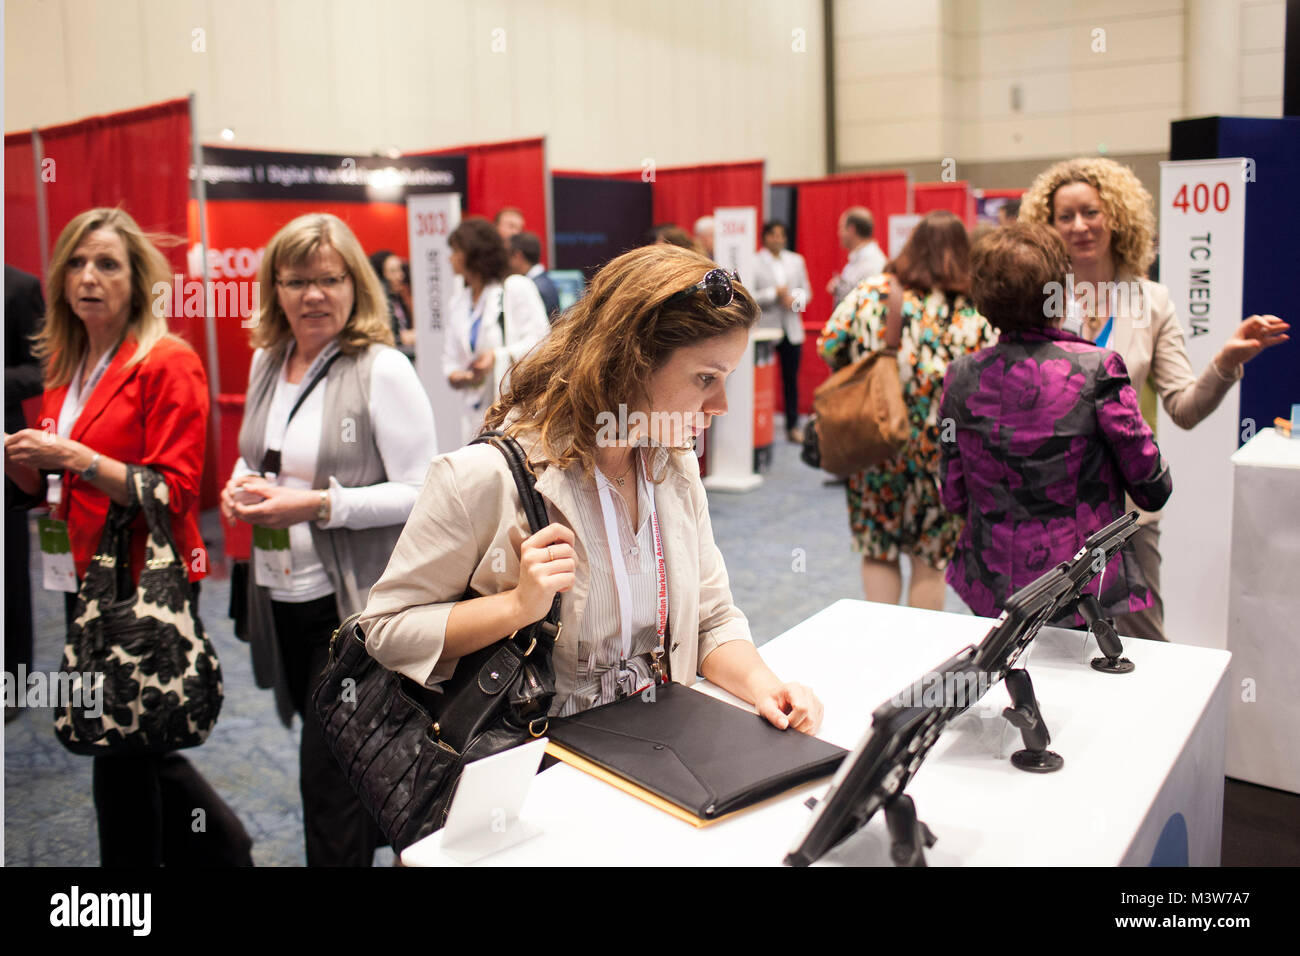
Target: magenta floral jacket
x=1045 y=438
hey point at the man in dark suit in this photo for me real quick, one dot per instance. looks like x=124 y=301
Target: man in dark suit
x=526 y=260
x=24 y=308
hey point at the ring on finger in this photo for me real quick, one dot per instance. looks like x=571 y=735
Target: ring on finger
x=548 y=554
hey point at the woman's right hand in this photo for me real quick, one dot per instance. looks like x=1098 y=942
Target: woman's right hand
x=546 y=567
x=235 y=493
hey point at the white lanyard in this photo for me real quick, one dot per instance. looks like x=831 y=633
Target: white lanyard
x=620 y=573
x=74 y=402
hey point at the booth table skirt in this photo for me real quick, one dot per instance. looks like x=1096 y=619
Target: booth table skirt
x=1263 y=608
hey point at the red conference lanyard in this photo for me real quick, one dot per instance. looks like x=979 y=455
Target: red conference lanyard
x=621 y=584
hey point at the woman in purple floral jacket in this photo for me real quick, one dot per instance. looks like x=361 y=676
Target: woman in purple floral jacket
x=1047 y=435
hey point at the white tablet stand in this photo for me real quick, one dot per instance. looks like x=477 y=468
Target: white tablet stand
x=484 y=816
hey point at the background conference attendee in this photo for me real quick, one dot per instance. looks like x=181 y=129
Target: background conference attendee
x=669 y=234
x=24 y=307
x=866 y=260
x=526 y=260
x=336 y=438
x=396 y=279
x=509 y=222
x=703 y=230
x=658 y=333
x=121 y=389
x=894 y=508
x=1106 y=218
x=495 y=318
x=782 y=291
x=1048 y=439
x=1009 y=212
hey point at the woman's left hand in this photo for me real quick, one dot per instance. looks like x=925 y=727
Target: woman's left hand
x=42 y=450
x=791 y=705
x=280 y=507
x=1250 y=338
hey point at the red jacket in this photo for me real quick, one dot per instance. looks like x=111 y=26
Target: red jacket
x=154 y=413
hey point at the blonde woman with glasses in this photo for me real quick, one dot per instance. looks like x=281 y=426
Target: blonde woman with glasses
x=336 y=437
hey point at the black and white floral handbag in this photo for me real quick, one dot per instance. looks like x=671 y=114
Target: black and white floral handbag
x=142 y=676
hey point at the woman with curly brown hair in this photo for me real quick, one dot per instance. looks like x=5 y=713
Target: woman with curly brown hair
x=495 y=319
x=1107 y=220
x=894 y=507
x=606 y=409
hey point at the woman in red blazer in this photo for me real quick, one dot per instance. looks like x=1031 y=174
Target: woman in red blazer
x=121 y=389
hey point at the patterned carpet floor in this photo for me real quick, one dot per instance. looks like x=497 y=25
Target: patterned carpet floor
x=787 y=550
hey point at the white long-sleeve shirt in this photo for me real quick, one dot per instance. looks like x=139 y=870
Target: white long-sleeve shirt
x=402 y=420
x=525 y=325
x=865 y=262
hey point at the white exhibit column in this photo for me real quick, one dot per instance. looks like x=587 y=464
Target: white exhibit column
x=430 y=219
x=1202 y=237
x=1212 y=71
x=731 y=436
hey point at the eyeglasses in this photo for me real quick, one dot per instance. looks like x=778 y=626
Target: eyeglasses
x=326 y=284
x=717 y=286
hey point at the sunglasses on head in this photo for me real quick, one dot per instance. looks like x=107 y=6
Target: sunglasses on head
x=717 y=286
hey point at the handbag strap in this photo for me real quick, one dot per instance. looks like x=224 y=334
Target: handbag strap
x=548 y=629
x=151 y=495
x=894 y=314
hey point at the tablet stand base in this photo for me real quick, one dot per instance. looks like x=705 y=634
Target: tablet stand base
x=908 y=836
x=1025 y=716
x=1103 y=629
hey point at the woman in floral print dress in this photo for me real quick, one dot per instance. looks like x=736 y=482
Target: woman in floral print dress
x=895 y=507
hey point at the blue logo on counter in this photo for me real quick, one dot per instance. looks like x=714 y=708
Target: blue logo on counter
x=1171 y=848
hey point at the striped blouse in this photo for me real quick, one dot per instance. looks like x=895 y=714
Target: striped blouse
x=600 y=639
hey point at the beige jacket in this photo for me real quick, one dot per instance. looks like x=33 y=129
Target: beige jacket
x=1150 y=339
x=458 y=539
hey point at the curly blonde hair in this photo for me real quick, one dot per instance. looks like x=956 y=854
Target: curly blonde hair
x=1128 y=207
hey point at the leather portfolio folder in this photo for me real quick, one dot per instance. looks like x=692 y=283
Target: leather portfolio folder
x=688 y=753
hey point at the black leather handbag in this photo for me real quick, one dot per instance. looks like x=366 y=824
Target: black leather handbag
x=159 y=679
x=403 y=745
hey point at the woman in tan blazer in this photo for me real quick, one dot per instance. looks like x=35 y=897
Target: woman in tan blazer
x=607 y=409
x=1106 y=217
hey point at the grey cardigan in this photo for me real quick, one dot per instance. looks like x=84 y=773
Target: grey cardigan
x=353 y=559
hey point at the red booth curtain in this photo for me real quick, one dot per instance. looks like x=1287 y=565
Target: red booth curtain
x=820 y=203
x=22 y=242
x=957 y=198
x=505 y=174
x=138 y=158
x=683 y=194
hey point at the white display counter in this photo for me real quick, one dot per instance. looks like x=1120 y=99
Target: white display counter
x=1264 y=613
x=1144 y=756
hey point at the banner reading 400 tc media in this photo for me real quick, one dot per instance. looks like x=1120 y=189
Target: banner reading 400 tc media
x=1202 y=240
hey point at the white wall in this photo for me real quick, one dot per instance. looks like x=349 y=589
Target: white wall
x=934 y=78
x=609 y=83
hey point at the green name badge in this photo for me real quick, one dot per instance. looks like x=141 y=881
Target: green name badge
x=59 y=570
x=272 y=567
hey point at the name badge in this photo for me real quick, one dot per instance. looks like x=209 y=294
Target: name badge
x=60 y=572
x=272 y=567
